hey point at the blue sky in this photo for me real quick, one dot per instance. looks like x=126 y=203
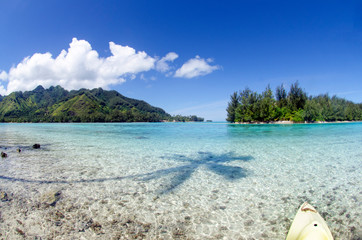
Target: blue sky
x=184 y=56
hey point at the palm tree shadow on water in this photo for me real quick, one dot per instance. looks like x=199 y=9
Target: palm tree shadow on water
x=175 y=176
x=213 y=162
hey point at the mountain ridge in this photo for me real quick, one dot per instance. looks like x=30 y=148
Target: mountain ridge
x=56 y=104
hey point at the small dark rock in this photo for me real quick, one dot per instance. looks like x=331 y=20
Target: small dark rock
x=36 y=146
x=58 y=215
x=146 y=227
x=51 y=198
x=58 y=223
x=223 y=228
x=96 y=227
x=85 y=225
x=343 y=212
x=324 y=214
x=4 y=196
x=20 y=232
x=3 y=155
x=178 y=233
x=248 y=223
x=285 y=199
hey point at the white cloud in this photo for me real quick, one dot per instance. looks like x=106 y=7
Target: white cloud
x=79 y=67
x=162 y=65
x=142 y=77
x=147 y=79
x=3 y=75
x=2 y=90
x=195 y=67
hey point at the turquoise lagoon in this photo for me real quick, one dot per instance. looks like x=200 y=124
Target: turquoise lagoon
x=178 y=180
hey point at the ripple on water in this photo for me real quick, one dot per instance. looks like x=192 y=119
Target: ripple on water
x=147 y=182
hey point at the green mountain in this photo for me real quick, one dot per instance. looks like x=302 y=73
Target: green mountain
x=59 y=105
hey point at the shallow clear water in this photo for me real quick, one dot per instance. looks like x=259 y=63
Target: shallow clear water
x=178 y=180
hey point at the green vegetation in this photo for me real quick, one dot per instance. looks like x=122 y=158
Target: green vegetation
x=59 y=105
x=296 y=106
x=192 y=118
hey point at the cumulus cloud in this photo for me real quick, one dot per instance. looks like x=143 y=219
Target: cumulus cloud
x=2 y=90
x=3 y=75
x=79 y=67
x=196 y=67
x=162 y=65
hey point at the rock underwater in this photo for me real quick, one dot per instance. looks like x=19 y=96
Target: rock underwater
x=36 y=146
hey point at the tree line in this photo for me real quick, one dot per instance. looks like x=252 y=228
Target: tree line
x=129 y=115
x=295 y=105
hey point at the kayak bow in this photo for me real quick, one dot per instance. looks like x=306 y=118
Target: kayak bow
x=308 y=225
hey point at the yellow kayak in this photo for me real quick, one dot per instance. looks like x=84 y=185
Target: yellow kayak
x=308 y=225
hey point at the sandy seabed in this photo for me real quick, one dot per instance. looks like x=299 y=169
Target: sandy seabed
x=154 y=189
x=134 y=209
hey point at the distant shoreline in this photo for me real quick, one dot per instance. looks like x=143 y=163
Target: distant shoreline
x=291 y=122
x=216 y=122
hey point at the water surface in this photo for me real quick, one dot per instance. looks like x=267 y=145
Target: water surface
x=178 y=180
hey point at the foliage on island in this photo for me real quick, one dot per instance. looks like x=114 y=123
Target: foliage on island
x=192 y=118
x=59 y=105
x=295 y=105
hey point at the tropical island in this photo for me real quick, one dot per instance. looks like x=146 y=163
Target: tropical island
x=295 y=106
x=56 y=104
